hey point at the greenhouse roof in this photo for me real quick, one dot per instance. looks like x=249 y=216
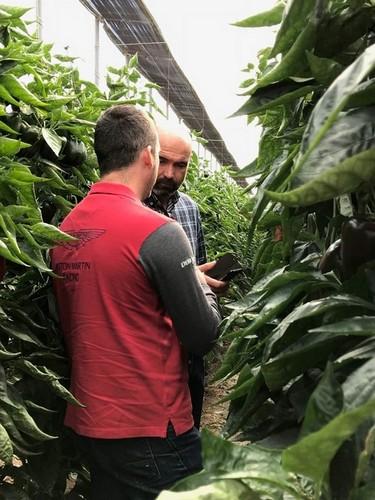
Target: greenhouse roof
x=130 y=25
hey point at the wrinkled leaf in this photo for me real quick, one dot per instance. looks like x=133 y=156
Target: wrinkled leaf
x=325 y=403
x=359 y=386
x=294 y=21
x=6 y=448
x=312 y=455
x=218 y=490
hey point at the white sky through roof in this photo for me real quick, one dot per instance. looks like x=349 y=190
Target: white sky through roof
x=208 y=49
x=212 y=54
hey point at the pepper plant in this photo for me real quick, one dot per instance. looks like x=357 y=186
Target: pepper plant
x=218 y=197
x=47 y=114
x=302 y=345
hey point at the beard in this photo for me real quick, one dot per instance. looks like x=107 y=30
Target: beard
x=165 y=186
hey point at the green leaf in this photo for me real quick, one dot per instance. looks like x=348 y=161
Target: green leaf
x=42 y=373
x=55 y=101
x=8 y=255
x=5 y=128
x=57 y=181
x=9 y=229
x=19 y=91
x=133 y=61
x=36 y=407
x=328 y=109
x=336 y=33
x=266 y=18
x=364 y=96
x=281 y=291
x=325 y=403
x=324 y=70
x=364 y=351
x=365 y=492
x=10 y=147
x=6 y=355
x=313 y=348
x=19 y=173
x=353 y=133
x=277 y=94
x=357 y=325
x=359 y=386
x=364 y=459
x=256 y=395
x=27 y=424
x=312 y=455
x=248 y=171
x=218 y=490
x=282 y=336
x=50 y=233
x=220 y=454
x=7 y=97
x=13 y=12
x=6 y=448
x=54 y=141
x=295 y=15
x=341 y=179
x=34 y=258
x=17 y=412
x=21 y=332
x=22 y=211
x=256 y=467
x=7 y=421
x=273 y=180
x=294 y=63
x=276 y=302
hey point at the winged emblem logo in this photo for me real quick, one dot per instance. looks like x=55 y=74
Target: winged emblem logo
x=83 y=237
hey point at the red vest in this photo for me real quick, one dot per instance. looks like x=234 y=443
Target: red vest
x=128 y=367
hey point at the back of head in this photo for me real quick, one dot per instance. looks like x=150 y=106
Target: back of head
x=121 y=133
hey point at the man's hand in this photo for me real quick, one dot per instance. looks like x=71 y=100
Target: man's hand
x=218 y=287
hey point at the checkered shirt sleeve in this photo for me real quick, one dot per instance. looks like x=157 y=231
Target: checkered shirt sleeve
x=186 y=212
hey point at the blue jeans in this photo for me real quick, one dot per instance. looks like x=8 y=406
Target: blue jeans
x=139 y=468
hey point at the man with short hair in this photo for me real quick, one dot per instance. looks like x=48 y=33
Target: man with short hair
x=130 y=307
x=174 y=158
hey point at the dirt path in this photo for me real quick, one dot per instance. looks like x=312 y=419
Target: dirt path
x=215 y=414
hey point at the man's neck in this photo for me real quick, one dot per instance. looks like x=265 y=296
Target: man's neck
x=127 y=178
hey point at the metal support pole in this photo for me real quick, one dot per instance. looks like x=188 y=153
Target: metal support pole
x=38 y=9
x=97 y=50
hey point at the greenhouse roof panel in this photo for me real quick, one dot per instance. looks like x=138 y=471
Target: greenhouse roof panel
x=132 y=28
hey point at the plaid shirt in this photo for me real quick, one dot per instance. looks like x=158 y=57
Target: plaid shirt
x=185 y=211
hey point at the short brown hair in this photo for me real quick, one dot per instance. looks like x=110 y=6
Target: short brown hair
x=120 y=135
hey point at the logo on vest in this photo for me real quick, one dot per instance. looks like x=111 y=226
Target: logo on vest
x=186 y=262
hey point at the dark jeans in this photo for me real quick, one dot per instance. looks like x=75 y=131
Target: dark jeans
x=196 y=386
x=139 y=468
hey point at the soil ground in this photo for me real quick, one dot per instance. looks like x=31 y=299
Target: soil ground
x=215 y=414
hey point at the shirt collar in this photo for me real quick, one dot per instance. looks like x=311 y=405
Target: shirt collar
x=153 y=202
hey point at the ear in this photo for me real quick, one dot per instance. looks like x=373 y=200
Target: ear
x=147 y=156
